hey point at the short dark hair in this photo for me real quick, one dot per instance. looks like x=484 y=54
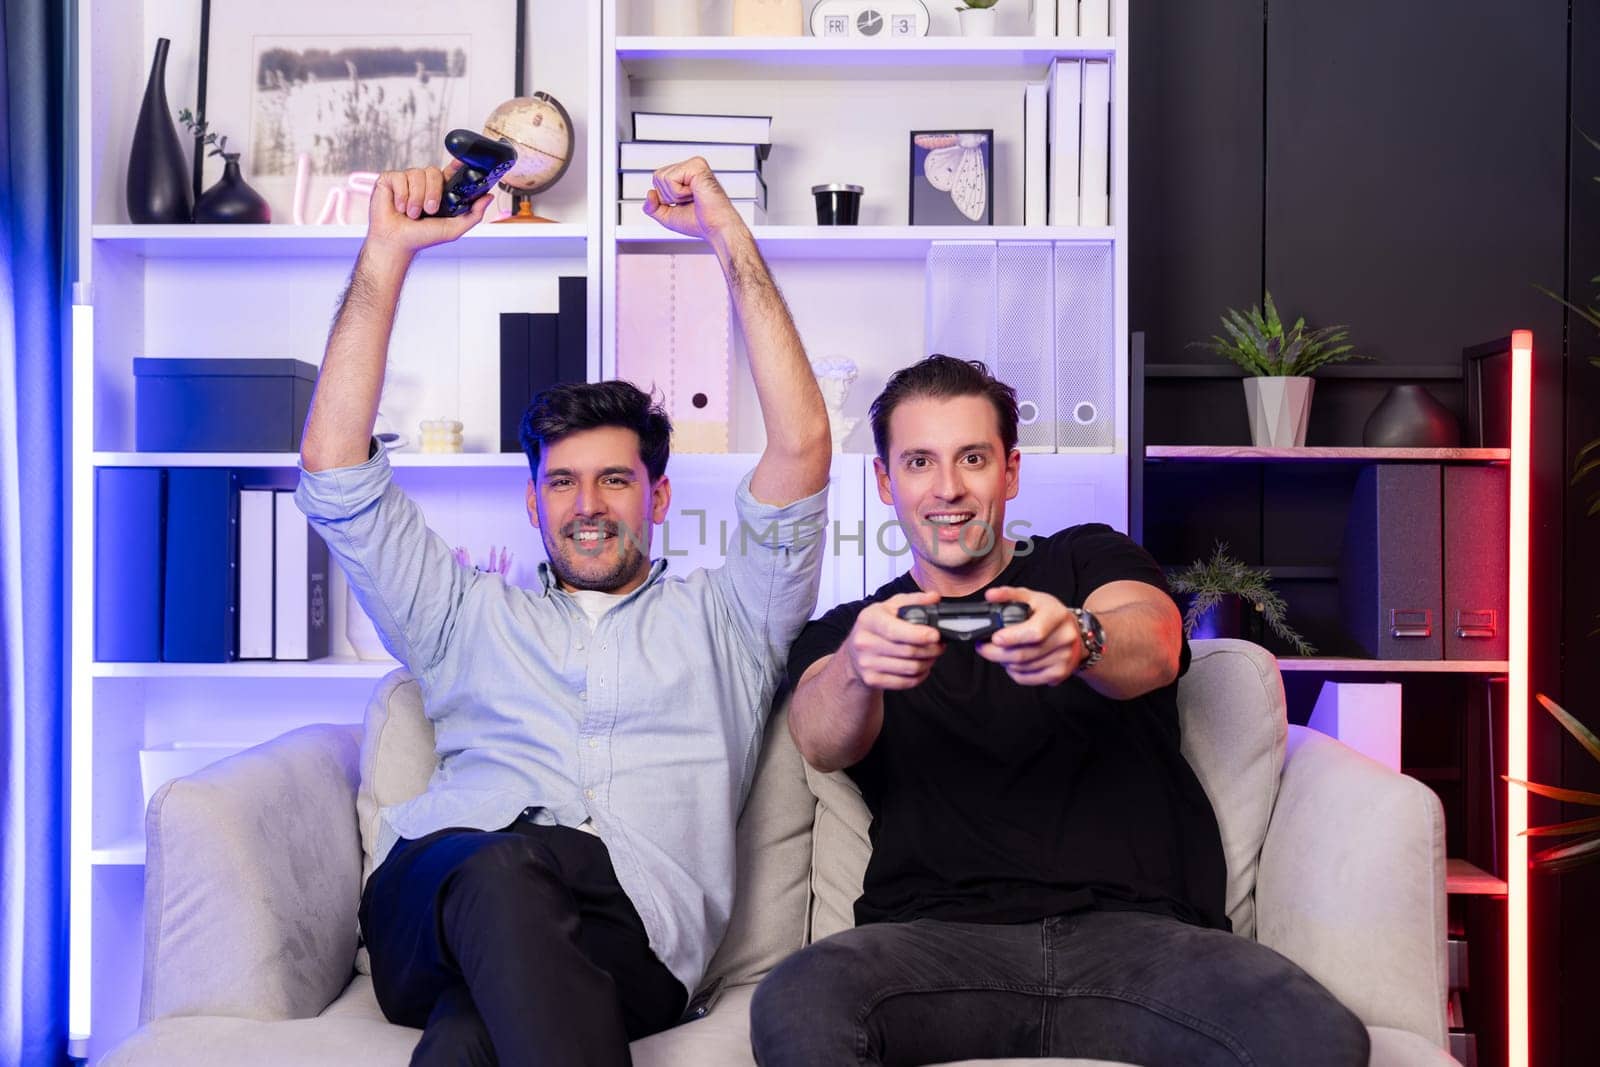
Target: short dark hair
x=572 y=406
x=942 y=377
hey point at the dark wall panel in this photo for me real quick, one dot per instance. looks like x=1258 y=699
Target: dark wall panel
x=1194 y=170
x=1415 y=169
x=1578 y=938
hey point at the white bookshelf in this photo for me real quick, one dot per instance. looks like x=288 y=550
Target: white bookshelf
x=842 y=112
x=505 y=240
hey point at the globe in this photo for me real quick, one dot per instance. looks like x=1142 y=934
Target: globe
x=541 y=130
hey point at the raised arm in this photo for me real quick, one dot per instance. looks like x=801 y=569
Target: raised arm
x=339 y=428
x=688 y=199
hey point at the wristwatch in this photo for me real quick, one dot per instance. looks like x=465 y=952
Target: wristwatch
x=1092 y=635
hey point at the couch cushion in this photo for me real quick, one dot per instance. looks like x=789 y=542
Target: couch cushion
x=397 y=755
x=1231 y=706
x=251 y=881
x=1235 y=727
x=773 y=864
x=354 y=1032
x=840 y=849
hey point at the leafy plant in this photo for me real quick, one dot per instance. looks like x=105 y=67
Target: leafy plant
x=976 y=5
x=1263 y=347
x=1586 y=849
x=1208 y=581
x=1587 y=461
x=203 y=134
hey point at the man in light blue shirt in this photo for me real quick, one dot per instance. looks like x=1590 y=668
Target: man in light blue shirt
x=558 y=888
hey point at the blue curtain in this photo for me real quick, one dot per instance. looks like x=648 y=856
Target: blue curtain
x=35 y=179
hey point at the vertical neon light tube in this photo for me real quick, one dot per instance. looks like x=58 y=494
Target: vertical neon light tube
x=80 y=692
x=1517 y=702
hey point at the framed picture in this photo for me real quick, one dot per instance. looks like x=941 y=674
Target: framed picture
x=952 y=177
x=358 y=85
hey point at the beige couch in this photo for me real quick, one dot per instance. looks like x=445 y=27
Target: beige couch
x=255 y=864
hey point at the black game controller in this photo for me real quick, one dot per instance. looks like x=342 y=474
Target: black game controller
x=967 y=620
x=484 y=161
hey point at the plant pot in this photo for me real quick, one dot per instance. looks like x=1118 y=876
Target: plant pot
x=1232 y=617
x=158 y=187
x=1224 y=620
x=1409 y=416
x=1279 y=409
x=976 y=21
x=231 y=199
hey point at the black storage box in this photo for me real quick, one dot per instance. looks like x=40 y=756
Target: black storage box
x=221 y=405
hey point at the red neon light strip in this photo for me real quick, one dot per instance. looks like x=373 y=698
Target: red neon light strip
x=1517 y=700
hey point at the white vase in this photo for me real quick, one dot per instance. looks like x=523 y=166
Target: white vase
x=976 y=21
x=1279 y=410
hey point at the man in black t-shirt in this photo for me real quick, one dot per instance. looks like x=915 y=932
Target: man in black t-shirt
x=1047 y=875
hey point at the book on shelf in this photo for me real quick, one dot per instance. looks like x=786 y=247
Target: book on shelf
x=256 y=525
x=128 y=563
x=539 y=349
x=1035 y=156
x=301 y=608
x=1065 y=112
x=652 y=155
x=1066 y=18
x=1043 y=16
x=704 y=129
x=198 y=623
x=738 y=184
x=631 y=212
x=1094 y=187
x=572 y=328
x=1094 y=18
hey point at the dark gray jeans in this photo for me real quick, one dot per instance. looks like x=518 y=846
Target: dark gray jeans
x=1103 y=985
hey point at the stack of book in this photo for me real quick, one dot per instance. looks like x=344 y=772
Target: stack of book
x=735 y=147
x=540 y=349
x=192 y=568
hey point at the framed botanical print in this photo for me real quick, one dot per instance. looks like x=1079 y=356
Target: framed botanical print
x=352 y=86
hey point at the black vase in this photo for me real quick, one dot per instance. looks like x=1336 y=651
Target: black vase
x=231 y=199
x=158 y=182
x=1411 y=417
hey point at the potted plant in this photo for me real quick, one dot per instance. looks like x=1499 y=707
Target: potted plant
x=977 y=17
x=1218 y=588
x=1585 y=848
x=1278 y=362
x=231 y=199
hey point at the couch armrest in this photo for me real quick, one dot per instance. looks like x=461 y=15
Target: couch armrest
x=252 y=881
x=1351 y=885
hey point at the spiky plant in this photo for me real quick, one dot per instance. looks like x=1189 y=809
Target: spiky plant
x=1586 y=849
x=1208 y=581
x=1263 y=347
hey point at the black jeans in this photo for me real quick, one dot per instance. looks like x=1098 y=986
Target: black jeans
x=516 y=946
x=1123 y=986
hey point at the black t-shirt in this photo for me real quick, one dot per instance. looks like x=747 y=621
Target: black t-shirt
x=997 y=802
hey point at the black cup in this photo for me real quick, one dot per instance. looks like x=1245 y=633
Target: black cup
x=837 y=205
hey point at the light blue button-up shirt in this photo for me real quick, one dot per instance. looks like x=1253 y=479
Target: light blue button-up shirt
x=649 y=724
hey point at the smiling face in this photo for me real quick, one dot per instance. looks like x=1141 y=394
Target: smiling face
x=594 y=506
x=948 y=476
